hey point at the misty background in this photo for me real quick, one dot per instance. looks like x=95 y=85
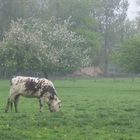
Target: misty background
x=60 y=37
x=133 y=9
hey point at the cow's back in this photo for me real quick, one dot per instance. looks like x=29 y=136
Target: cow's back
x=29 y=86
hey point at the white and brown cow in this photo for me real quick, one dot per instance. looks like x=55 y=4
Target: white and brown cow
x=40 y=88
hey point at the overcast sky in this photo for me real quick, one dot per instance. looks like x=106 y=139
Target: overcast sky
x=133 y=8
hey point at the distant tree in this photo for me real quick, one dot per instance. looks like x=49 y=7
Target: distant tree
x=110 y=16
x=93 y=44
x=15 y=9
x=131 y=29
x=127 y=55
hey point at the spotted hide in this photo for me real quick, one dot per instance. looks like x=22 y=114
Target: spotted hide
x=32 y=87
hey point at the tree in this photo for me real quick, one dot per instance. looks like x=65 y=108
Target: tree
x=127 y=56
x=110 y=16
x=32 y=46
x=131 y=29
x=66 y=51
x=82 y=23
x=21 y=48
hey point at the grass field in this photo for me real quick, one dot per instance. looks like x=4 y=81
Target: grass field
x=101 y=110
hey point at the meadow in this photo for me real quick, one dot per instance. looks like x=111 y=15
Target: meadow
x=91 y=110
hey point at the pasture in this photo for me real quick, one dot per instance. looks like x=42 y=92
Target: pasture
x=101 y=110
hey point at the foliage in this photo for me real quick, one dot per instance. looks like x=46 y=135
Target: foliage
x=127 y=56
x=32 y=45
x=110 y=16
x=93 y=44
x=82 y=23
x=66 y=50
x=21 y=48
x=77 y=10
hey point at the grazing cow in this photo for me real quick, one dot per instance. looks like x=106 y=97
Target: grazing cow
x=40 y=88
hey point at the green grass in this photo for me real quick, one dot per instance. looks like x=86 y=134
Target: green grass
x=101 y=110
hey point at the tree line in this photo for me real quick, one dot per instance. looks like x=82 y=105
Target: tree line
x=58 y=36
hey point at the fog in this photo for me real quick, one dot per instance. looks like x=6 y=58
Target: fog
x=133 y=9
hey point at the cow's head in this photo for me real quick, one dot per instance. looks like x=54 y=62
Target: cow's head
x=52 y=99
x=54 y=104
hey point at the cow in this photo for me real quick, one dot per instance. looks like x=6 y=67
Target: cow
x=32 y=87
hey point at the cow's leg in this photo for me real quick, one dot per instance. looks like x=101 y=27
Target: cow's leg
x=7 y=106
x=41 y=103
x=16 y=99
x=11 y=105
x=10 y=100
